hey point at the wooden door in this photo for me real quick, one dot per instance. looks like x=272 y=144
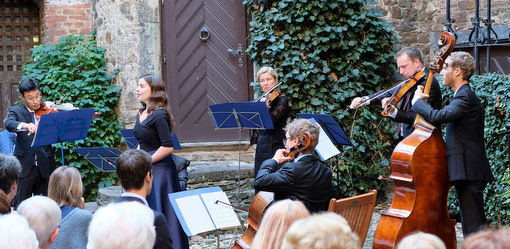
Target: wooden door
x=19 y=32
x=204 y=63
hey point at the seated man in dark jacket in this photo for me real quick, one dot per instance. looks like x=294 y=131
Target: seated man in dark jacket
x=134 y=169
x=305 y=179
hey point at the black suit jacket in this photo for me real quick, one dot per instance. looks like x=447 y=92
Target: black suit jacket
x=465 y=148
x=405 y=114
x=163 y=240
x=307 y=180
x=23 y=150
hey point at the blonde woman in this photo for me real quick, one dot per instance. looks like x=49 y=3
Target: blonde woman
x=275 y=222
x=321 y=231
x=66 y=189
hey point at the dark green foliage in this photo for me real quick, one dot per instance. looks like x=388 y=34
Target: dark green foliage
x=326 y=53
x=76 y=68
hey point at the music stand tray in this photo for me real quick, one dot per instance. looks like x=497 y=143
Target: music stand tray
x=132 y=142
x=330 y=126
x=65 y=126
x=251 y=115
x=102 y=157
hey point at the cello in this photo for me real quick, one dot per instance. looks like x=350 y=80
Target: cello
x=257 y=207
x=420 y=175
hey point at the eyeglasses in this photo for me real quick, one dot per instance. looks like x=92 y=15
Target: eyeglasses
x=286 y=139
x=36 y=98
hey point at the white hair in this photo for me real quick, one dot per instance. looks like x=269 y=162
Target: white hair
x=43 y=216
x=15 y=232
x=126 y=225
x=322 y=230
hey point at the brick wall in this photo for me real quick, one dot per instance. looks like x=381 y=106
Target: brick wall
x=61 y=18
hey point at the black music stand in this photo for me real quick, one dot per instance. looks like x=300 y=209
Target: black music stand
x=65 y=126
x=251 y=115
x=330 y=126
x=102 y=157
x=132 y=142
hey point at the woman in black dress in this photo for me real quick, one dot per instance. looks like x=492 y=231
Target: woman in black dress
x=153 y=130
x=269 y=141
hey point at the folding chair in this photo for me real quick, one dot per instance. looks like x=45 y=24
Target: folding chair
x=357 y=210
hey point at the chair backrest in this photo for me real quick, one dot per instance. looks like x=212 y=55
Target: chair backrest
x=357 y=210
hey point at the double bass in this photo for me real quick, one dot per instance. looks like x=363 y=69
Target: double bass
x=420 y=174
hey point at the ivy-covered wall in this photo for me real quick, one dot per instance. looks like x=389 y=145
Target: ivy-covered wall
x=326 y=53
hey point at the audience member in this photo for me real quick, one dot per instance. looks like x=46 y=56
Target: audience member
x=5 y=206
x=43 y=216
x=66 y=189
x=134 y=169
x=275 y=222
x=122 y=226
x=488 y=239
x=325 y=231
x=421 y=240
x=15 y=233
x=10 y=168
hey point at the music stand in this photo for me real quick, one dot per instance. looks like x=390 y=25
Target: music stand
x=65 y=126
x=132 y=142
x=330 y=126
x=250 y=115
x=102 y=157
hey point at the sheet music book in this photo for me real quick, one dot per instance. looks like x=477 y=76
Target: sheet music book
x=198 y=211
x=325 y=147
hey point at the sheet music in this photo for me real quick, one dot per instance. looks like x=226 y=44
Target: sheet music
x=195 y=214
x=325 y=148
x=222 y=216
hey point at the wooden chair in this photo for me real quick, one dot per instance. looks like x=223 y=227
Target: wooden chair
x=357 y=210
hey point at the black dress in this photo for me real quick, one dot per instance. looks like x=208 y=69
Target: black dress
x=269 y=141
x=152 y=133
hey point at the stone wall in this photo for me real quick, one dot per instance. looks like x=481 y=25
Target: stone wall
x=419 y=23
x=129 y=30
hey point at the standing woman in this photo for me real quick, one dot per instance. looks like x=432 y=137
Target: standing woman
x=269 y=141
x=153 y=130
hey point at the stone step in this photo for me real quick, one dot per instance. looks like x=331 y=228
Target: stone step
x=221 y=151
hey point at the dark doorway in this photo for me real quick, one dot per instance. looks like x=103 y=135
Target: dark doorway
x=19 y=32
x=204 y=63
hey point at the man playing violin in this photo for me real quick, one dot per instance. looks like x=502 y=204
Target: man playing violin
x=37 y=163
x=305 y=179
x=468 y=166
x=409 y=61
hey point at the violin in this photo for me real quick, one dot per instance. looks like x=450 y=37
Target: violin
x=51 y=107
x=257 y=207
x=270 y=94
x=305 y=139
x=395 y=98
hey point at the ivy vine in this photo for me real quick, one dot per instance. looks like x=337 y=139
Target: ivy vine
x=75 y=68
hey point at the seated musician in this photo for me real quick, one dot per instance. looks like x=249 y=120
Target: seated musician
x=305 y=178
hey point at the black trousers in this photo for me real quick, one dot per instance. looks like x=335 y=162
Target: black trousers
x=33 y=184
x=471 y=203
